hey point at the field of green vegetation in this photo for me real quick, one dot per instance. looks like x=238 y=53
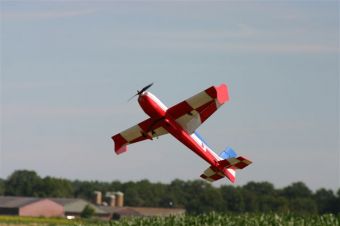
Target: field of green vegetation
x=199 y=220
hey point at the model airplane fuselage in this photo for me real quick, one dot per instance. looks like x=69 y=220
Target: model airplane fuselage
x=181 y=121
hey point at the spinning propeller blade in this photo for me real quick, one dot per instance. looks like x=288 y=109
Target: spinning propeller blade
x=141 y=91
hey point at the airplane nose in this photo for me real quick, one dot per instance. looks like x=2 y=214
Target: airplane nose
x=141 y=97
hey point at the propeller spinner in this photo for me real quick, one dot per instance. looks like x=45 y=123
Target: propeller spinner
x=141 y=91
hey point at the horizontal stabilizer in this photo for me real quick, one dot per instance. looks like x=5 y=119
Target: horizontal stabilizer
x=211 y=175
x=237 y=163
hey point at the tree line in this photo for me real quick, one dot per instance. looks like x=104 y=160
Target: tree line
x=195 y=196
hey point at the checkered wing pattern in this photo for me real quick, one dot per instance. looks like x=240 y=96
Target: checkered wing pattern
x=237 y=163
x=211 y=175
x=139 y=132
x=229 y=166
x=192 y=112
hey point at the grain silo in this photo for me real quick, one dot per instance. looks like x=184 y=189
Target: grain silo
x=119 y=199
x=97 y=197
x=110 y=199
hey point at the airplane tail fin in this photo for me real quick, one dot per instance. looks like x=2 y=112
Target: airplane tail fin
x=229 y=164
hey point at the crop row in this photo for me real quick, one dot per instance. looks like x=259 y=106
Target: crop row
x=199 y=220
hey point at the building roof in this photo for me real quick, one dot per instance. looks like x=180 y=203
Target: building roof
x=76 y=205
x=72 y=205
x=147 y=211
x=16 y=202
x=69 y=204
x=143 y=211
x=122 y=211
x=63 y=201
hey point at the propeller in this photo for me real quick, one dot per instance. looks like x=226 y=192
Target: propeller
x=141 y=91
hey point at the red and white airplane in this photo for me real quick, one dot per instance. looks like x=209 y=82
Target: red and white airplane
x=181 y=121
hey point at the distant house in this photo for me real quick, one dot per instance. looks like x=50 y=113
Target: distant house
x=28 y=206
x=74 y=207
x=120 y=212
x=71 y=208
x=114 y=205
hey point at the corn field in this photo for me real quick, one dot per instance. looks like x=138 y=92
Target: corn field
x=200 y=220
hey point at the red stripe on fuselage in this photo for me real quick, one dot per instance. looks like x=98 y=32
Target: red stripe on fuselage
x=180 y=134
x=157 y=110
x=228 y=174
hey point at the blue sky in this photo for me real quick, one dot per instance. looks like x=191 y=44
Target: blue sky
x=68 y=69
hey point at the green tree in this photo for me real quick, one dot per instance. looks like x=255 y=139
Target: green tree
x=303 y=206
x=297 y=190
x=203 y=197
x=131 y=196
x=272 y=203
x=250 y=201
x=85 y=189
x=2 y=187
x=55 y=187
x=260 y=188
x=233 y=199
x=150 y=193
x=263 y=197
x=325 y=200
x=336 y=203
x=87 y=212
x=115 y=186
x=178 y=191
x=23 y=183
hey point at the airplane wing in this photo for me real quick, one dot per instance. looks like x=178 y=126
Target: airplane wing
x=192 y=112
x=147 y=129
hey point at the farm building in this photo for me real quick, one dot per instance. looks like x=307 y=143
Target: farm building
x=113 y=203
x=120 y=212
x=27 y=206
x=46 y=207
x=74 y=207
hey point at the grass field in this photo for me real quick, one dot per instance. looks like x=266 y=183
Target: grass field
x=200 y=220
